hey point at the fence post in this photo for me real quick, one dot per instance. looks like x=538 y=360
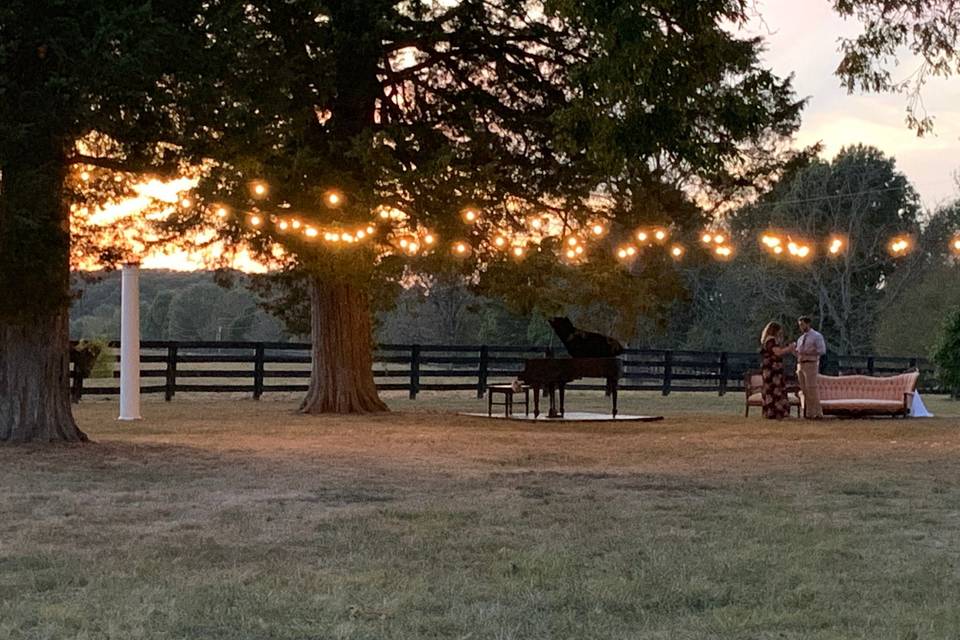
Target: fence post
x=667 y=371
x=76 y=389
x=870 y=365
x=724 y=372
x=414 y=371
x=171 y=373
x=483 y=370
x=258 y=357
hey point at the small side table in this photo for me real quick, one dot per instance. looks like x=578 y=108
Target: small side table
x=508 y=392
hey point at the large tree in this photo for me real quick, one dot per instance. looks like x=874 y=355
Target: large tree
x=860 y=198
x=69 y=71
x=583 y=111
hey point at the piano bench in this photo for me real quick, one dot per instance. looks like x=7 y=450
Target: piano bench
x=508 y=392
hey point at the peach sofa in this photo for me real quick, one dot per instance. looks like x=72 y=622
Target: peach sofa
x=867 y=395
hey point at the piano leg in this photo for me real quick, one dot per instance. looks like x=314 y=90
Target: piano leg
x=552 y=390
x=614 y=394
x=563 y=389
x=536 y=402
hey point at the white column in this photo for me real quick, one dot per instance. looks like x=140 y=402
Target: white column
x=130 y=342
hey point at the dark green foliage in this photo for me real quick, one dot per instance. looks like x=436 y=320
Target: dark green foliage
x=946 y=353
x=505 y=109
x=911 y=327
x=69 y=70
x=175 y=306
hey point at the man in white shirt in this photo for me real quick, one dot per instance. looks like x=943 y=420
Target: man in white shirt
x=810 y=347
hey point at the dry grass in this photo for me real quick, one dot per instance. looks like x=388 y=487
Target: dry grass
x=242 y=520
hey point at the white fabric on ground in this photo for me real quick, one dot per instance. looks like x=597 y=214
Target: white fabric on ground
x=918 y=409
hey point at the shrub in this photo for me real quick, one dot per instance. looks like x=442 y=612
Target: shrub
x=946 y=353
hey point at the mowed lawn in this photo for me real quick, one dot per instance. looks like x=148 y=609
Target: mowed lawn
x=235 y=519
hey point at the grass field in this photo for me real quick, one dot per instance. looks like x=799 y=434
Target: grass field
x=235 y=519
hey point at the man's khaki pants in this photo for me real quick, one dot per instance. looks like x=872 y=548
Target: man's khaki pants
x=807 y=373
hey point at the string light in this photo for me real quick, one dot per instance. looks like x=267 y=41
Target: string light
x=771 y=242
x=660 y=235
x=836 y=245
x=283 y=225
x=709 y=238
x=723 y=252
x=470 y=216
x=333 y=198
x=677 y=251
x=429 y=239
x=256 y=220
x=598 y=229
x=642 y=236
x=295 y=224
x=259 y=189
x=798 y=249
x=900 y=245
x=518 y=252
x=222 y=212
x=955 y=244
x=461 y=248
x=186 y=203
x=310 y=232
x=85 y=176
x=500 y=241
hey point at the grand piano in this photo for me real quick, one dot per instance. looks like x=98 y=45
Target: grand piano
x=553 y=375
x=593 y=356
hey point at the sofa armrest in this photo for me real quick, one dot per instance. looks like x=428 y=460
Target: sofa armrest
x=908 y=400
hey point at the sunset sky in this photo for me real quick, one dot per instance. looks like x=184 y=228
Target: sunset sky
x=802 y=38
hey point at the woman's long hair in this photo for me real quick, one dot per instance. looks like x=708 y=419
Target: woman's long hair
x=772 y=330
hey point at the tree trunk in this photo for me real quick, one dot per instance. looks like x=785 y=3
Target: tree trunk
x=35 y=294
x=35 y=381
x=342 y=377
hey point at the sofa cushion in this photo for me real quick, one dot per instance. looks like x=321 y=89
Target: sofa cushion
x=889 y=388
x=862 y=404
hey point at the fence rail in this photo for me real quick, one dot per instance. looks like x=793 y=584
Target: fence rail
x=257 y=368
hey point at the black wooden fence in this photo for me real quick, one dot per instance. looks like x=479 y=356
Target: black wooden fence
x=257 y=368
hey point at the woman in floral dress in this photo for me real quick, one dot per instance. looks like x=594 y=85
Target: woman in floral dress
x=776 y=404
